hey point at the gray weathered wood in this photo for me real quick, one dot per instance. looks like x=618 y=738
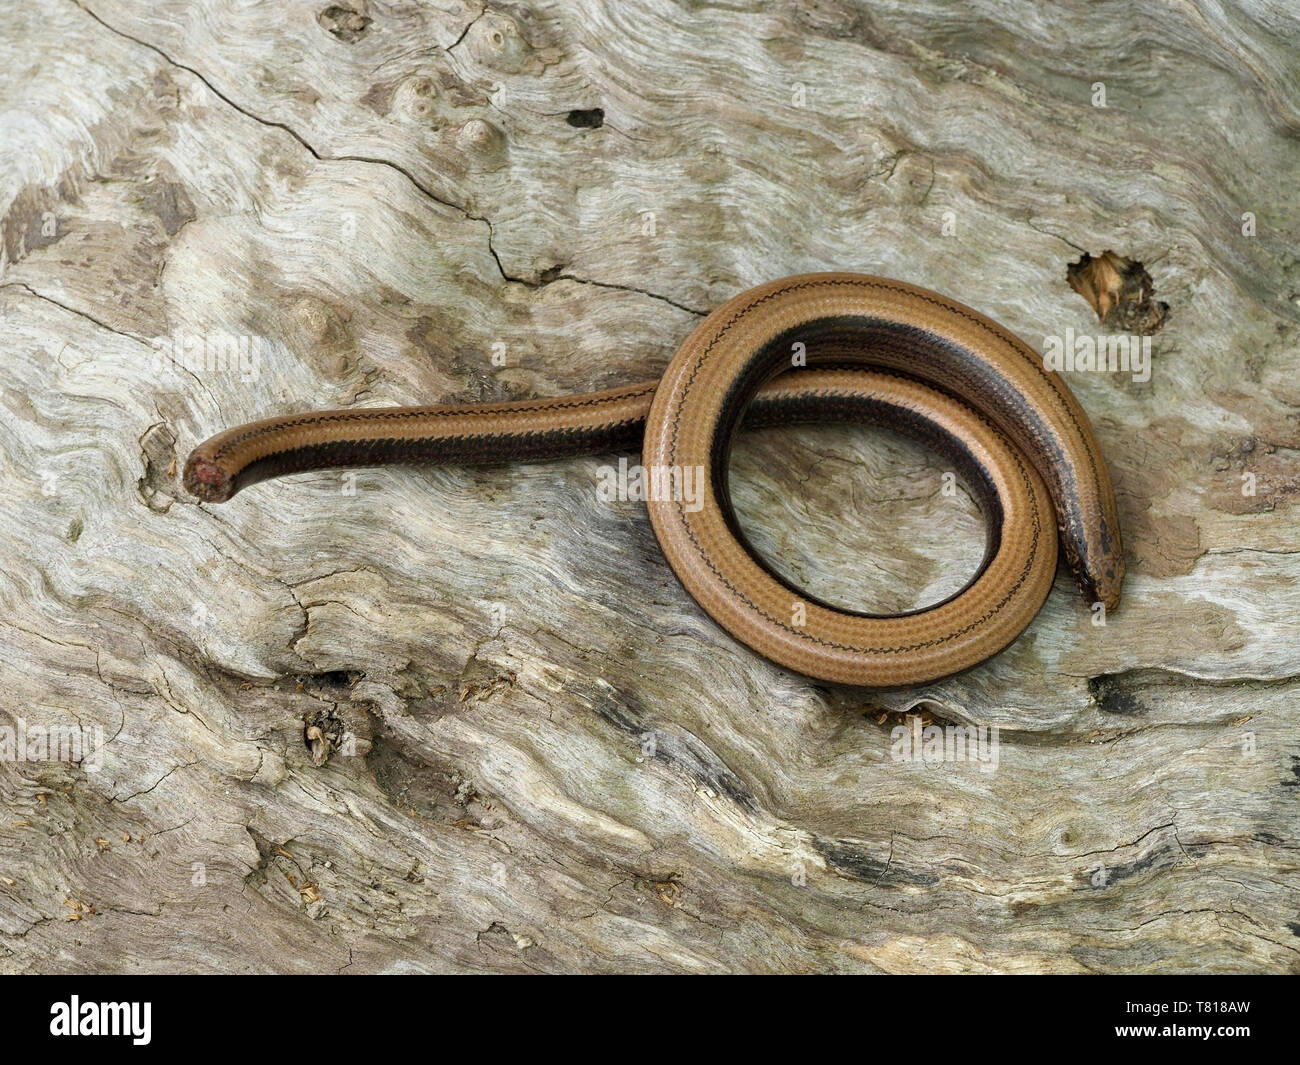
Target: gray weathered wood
x=533 y=751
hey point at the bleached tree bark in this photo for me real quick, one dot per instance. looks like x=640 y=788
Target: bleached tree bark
x=455 y=719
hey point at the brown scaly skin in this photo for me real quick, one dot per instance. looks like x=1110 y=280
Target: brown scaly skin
x=876 y=350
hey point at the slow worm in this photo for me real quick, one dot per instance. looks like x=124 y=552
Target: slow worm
x=875 y=350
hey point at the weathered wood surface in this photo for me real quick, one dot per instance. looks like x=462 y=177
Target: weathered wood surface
x=557 y=763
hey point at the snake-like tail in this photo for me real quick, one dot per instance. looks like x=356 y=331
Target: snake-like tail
x=872 y=349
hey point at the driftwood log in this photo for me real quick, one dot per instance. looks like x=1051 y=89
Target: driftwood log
x=465 y=719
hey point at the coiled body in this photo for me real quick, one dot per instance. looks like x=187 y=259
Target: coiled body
x=855 y=348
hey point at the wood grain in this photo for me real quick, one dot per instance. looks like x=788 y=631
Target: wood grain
x=532 y=751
